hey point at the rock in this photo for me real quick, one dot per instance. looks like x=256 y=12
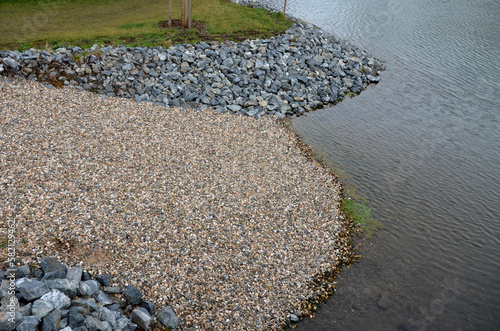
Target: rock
x=149 y=306
x=93 y=324
x=133 y=295
x=124 y=324
x=74 y=274
x=141 y=317
x=29 y=323
x=56 y=274
x=31 y=289
x=26 y=309
x=58 y=299
x=67 y=328
x=106 y=315
x=168 y=318
x=385 y=302
x=1 y=68
x=50 y=264
x=89 y=287
x=41 y=308
x=234 y=108
x=102 y=298
x=11 y=63
x=64 y=285
x=105 y=280
x=9 y=302
x=10 y=320
x=374 y=79
x=51 y=321
x=89 y=304
x=294 y=318
x=75 y=320
x=112 y=290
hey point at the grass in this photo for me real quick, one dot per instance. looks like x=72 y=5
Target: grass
x=53 y=23
x=361 y=215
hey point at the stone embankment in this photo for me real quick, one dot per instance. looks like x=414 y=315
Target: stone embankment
x=299 y=71
x=54 y=297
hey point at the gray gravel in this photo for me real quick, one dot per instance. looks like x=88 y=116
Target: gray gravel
x=222 y=217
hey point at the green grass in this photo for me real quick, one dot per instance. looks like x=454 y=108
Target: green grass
x=361 y=215
x=54 y=23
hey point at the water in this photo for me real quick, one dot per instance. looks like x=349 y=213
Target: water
x=424 y=147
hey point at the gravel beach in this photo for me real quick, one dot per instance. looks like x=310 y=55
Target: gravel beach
x=223 y=217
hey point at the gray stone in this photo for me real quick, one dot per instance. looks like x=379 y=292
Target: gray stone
x=149 y=306
x=294 y=318
x=75 y=320
x=51 y=321
x=89 y=304
x=64 y=285
x=58 y=299
x=88 y=287
x=9 y=302
x=124 y=324
x=106 y=315
x=141 y=317
x=50 y=264
x=113 y=289
x=1 y=68
x=103 y=298
x=133 y=295
x=10 y=320
x=75 y=274
x=168 y=318
x=11 y=63
x=31 y=289
x=56 y=274
x=26 y=309
x=41 y=308
x=29 y=323
x=384 y=302
x=93 y=324
x=234 y=107
x=23 y=271
x=66 y=328
x=374 y=79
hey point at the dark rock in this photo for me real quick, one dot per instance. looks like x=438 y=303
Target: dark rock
x=75 y=320
x=54 y=275
x=86 y=276
x=141 y=317
x=11 y=63
x=29 y=323
x=93 y=324
x=51 y=321
x=31 y=289
x=106 y=315
x=113 y=289
x=26 y=309
x=149 y=306
x=75 y=274
x=133 y=295
x=50 y=264
x=168 y=318
x=89 y=304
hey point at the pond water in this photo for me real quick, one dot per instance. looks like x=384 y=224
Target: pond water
x=423 y=146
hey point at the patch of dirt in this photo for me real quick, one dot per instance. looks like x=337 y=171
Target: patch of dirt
x=176 y=24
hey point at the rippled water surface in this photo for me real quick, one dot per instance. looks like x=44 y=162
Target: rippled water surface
x=424 y=147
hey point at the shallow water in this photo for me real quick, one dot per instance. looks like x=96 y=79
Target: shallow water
x=423 y=146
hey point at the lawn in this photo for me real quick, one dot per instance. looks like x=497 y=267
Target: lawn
x=52 y=23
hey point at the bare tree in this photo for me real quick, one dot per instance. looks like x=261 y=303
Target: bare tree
x=184 y=12
x=284 y=8
x=169 y=13
x=190 y=21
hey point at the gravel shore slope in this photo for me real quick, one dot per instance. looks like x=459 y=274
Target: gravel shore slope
x=221 y=216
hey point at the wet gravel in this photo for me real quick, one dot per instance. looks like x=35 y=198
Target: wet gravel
x=223 y=217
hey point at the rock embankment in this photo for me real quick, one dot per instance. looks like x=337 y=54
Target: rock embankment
x=289 y=74
x=54 y=297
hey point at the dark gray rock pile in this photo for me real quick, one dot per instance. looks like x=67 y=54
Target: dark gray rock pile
x=57 y=298
x=289 y=74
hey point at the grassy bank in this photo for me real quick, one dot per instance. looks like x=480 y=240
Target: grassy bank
x=52 y=23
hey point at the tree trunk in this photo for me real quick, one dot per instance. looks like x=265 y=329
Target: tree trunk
x=169 y=13
x=183 y=13
x=284 y=8
x=190 y=21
